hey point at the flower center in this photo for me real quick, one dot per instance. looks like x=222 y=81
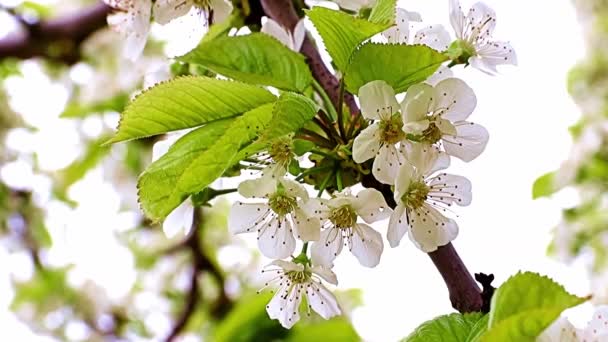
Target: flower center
x=432 y=134
x=415 y=195
x=282 y=204
x=298 y=277
x=343 y=217
x=460 y=51
x=390 y=130
x=281 y=151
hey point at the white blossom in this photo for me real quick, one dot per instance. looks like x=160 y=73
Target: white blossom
x=293 y=41
x=384 y=137
x=563 y=331
x=339 y=217
x=355 y=5
x=132 y=21
x=421 y=198
x=474 y=44
x=278 y=220
x=295 y=281
x=437 y=115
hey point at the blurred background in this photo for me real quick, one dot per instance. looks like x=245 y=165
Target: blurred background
x=79 y=262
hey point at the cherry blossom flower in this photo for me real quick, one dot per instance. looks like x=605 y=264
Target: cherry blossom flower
x=339 y=217
x=355 y=5
x=421 y=197
x=279 y=220
x=277 y=156
x=563 y=331
x=437 y=114
x=293 y=41
x=132 y=21
x=383 y=138
x=474 y=44
x=295 y=281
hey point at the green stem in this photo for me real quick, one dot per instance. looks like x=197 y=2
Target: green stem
x=304 y=248
x=323 y=185
x=326 y=155
x=224 y=191
x=339 y=180
x=326 y=100
x=311 y=171
x=340 y=102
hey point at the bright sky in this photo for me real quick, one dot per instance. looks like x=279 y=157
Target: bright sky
x=526 y=110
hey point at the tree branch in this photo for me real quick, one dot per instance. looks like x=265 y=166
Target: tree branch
x=56 y=39
x=465 y=294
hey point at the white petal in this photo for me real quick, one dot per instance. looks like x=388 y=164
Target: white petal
x=561 y=330
x=597 y=329
x=179 y=220
x=377 y=100
x=299 y=33
x=221 y=10
x=353 y=5
x=434 y=36
x=445 y=126
x=306 y=228
x=481 y=20
x=276 y=239
x=387 y=163
x=457 y=98
x=367 y=245
x=285 y=306
x=426 y=158
x=167 y=10
x=441 y=74
x=259 y=187
x=470 y=140
x=371 y=206
x=419 y=100
x=294 y=189
x=287 y=265
x=447 y=188
x=493 y=54
x=456 y=18
x=416 y=127
x=322 y=301
x=397 y=226
x=317 y=207
x=326 y=273
x=429 y=229
x=402 y=182
x=325 y=251
x=367 y=143
x=245 y=217
x=272 y=28
x=400 y=32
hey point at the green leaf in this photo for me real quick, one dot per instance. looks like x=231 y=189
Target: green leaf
x=80 y=110
x=524 y=306
x=254 y=58
x=450 y=328
x=398 y=65
x=196 y=160
x=384 y=12
x=342 y=33
x=187 y=102
x=544 y=186
x=337 y=329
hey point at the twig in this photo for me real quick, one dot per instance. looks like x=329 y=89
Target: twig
x=465 y=294
x=56 y=39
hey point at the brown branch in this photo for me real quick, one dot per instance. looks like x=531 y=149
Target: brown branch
x=57 y=39
x=465 y=294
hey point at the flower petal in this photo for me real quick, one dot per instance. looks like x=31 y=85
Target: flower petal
x=481 y=21
x=259 y=187
x=470 y=141
x=287 y=265
x=433 y=36
x=441 y=74
x=221 y=10
x=402 y=182
x=493 y=54
x=457 y=98
x=387 y=163
x=246 y=217
x=426 y=158
x=377 y=100
x=167 y=10
x=597 y=329
x=367 y=245
x=326 y=273
x=294 y=189
x=285 y=306
x=180 y=219
x=276 y=239
x=306 y=228
x=325 y=251
x=299 y=33
x=429 y=229
x=397 y=226
x=450 y=189
x=457 y=19
x=370 y=205
x=399 y=33
x=367 y=143
x=273 y=29
x=317 y=207
x=322 y=301
x=561 y=330
x=418 y=102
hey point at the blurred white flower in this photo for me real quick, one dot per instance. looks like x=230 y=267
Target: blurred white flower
x=474 y=44
x=437 y=114
x=421 y=197
x=279 y=220
x=355 y=5
x=296 y=281
x=339 y=218
x=293 y=41
x=563 y=331
x=132 y=21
